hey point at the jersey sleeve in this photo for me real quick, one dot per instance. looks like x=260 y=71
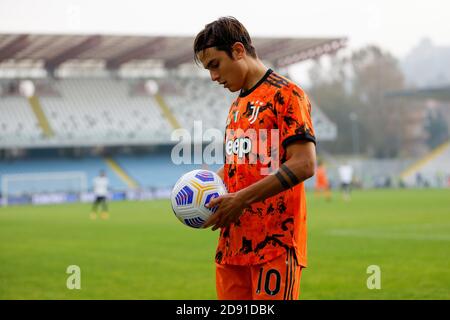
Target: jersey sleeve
x=295 y=118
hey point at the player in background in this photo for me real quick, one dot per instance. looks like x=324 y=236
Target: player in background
x=346 y=177
x=322 y=186
x=101 y=192
x=262 y=220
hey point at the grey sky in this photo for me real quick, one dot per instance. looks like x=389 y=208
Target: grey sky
x=396 y=25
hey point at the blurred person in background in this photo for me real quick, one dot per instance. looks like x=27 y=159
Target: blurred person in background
x=101 y=192
x=322 y=186
x=346 y=178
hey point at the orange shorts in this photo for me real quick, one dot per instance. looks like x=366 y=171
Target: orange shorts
x=278 y=279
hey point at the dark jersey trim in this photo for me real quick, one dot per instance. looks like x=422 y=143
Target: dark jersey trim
x=277 y=79
x=298 y=137
x=246 y=93
x=273 y=84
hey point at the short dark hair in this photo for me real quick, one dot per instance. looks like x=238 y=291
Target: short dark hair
x=223 y=34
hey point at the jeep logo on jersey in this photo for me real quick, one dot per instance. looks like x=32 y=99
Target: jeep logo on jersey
x=255 y=110
x=239 y=146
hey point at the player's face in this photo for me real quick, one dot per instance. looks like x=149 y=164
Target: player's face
x=227 y=71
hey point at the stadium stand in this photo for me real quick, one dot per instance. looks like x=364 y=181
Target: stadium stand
x=104 y=110
x=368 y=173
x=17 y=121
x=155 y=170
x=433 y=170
x=199 y=99
x=90 y=165
x=325 y=129
x=111 y=92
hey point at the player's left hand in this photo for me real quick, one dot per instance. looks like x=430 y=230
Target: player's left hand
x=230 y=207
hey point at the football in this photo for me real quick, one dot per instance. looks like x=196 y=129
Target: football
x=192 y=192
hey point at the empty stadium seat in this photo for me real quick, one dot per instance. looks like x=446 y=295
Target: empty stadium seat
x=103 y=110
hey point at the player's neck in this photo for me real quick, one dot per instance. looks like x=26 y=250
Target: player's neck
x=256 y=70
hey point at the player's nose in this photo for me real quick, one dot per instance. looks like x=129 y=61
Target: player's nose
x=214 y=76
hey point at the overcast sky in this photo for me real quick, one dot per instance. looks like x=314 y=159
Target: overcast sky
x=396 y=25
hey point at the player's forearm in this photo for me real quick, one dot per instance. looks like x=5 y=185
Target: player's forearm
x=261 y=190
x=271 y=185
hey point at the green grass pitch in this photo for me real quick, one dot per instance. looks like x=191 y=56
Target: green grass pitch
x=144 y=252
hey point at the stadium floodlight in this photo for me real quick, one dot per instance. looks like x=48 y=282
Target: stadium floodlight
x=43 y=182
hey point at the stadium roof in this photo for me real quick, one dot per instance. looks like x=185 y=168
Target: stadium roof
x=439 y=93
x=53 y=50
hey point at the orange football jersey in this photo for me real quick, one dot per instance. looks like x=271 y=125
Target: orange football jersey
x=321 y=178
x=261 y=123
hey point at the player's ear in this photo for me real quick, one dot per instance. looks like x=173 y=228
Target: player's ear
x=238 y=51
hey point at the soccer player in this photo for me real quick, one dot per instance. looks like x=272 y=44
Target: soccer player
x=101 y=192
x=262 y=220
x=346 y=177
x=322 y=184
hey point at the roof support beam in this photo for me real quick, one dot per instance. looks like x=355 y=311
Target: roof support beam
x=262 y=52
x=288 y=49
x=315 y=51
x=142 y=52
x=184 y=57
x=13 y=47
x=276 y=46
x=72 y=52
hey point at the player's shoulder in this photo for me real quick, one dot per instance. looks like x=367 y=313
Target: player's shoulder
x=275 y=80
x=284 y=88
x=285 y=85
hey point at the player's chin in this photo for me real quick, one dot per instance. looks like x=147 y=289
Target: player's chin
x=232 y=89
